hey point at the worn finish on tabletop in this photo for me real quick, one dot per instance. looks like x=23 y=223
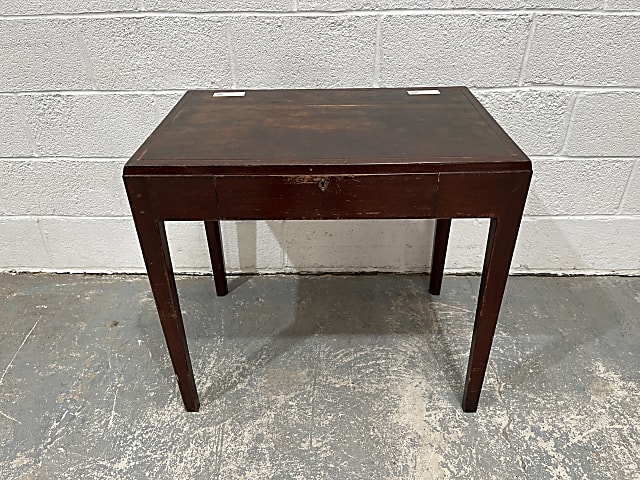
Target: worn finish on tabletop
x=328 y=154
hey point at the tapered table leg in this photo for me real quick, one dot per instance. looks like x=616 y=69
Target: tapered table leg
x=440 y=241
x=153 y=241
x=214 y=239
x=503 y=233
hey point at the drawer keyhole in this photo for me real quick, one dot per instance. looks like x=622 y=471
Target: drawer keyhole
x=323 y=184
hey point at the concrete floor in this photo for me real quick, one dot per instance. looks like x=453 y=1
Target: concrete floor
x=329 y=377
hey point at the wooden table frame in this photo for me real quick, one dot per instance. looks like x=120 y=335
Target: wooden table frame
x=205 y=186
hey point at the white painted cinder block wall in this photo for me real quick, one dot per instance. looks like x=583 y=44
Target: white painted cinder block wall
x=84 y=82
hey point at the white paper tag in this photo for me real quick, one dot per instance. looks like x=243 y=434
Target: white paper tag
x=229 y=94
x=423 y=92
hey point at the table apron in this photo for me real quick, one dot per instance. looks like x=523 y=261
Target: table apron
x=300 y=197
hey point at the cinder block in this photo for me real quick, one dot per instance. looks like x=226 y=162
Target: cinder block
x=577 y=187
x=467 y=245
x=111 y=245
x=535 y=119
x=157 y=52
x=337 y=5
x=465 y=252
x=219 y=5
x=605 y=124
x=62 y=187
x=14 y=141
x=630 y=5
x=249 y=247
x=254 y=246
x=552 y=245
x=21 y=245
x=585 y=50
x=41 y=55
x=473 y=50
x=631 y=201
x=304 y=52
x=418 y=243
x=96 y=125
x=380 y=245
x=92 y=244
x=507 y=4
x=164 y=104
x=342 y=246
x=581 y=244
x=20 y=7
x=188 y=246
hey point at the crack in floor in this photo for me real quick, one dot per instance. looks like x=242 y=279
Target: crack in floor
x=505 y=428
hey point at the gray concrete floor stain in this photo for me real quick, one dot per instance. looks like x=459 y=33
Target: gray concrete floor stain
x=318 y=377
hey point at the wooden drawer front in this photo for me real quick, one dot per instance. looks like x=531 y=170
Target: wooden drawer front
x=317 y=197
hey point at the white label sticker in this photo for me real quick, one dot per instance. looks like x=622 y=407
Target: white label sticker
x=229 y=94
x=423 y=92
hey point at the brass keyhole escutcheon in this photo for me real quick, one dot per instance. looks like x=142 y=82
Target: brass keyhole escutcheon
x=323 y=184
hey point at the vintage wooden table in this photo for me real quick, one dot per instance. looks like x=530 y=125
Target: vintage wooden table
x=328 y=154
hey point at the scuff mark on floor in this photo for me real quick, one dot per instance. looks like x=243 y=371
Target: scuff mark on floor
x=24 y=340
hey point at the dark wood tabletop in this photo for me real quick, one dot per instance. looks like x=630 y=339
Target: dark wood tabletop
x=327 y=131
